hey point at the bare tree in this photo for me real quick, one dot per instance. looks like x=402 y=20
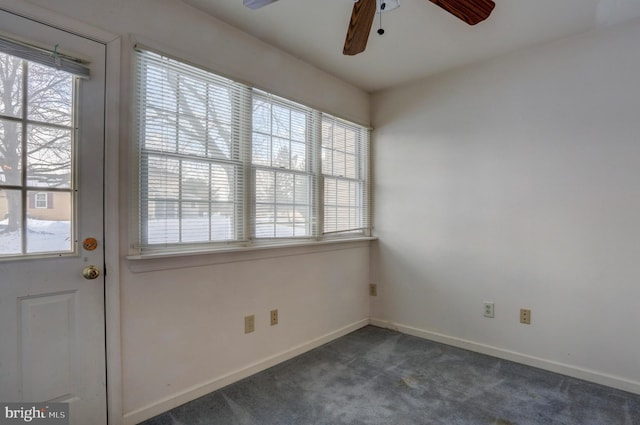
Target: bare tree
x=47 y=97
x=10 y=144
x=189 y=117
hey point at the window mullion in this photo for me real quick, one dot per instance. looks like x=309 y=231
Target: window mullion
x=177 y=151
x=180 y=201
x=24 y=147
x=210 y=200
x=317 y=182
x=244 y=144
x=275 y=204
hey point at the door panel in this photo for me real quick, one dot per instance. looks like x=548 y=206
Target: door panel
x=52 y=329
x=47 y=336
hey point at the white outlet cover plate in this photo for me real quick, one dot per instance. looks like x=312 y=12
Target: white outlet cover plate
x=489 y=310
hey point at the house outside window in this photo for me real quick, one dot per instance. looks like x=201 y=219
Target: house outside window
x=40 y=200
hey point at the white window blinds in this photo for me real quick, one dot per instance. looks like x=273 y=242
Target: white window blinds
x=283 y=168
x=191 y=169
x=51 y=58
x=221 y=163
x=345 y=170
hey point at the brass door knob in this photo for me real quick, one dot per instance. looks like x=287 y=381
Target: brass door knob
x=91 y=272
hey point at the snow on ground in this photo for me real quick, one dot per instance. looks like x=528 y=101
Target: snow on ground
x=198 y=229
x=55 y=236
x=42 y=236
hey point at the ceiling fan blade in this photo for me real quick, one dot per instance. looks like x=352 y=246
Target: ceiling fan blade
x=257 y=4
x=359 y=26
x=470 y=11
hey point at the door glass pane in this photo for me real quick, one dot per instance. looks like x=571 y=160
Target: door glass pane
x=10 y=85
x=49 y=222
x=36 y=151
x=10 y=222
x=10 y=152
x=50 y=94
x=48 y=157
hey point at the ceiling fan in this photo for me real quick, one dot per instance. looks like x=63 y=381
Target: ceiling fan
x=364 y=11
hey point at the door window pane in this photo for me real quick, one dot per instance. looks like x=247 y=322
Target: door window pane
x=49 y=95
x=49 y=222
x=10 y=152
x=11 y=69
x=48 y=157
x=36 y=156
x=10 y=222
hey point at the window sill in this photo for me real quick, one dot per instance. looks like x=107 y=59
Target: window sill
x=177 y=260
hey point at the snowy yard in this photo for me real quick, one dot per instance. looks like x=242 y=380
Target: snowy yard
x=55 y=236
x=199 y=229
x=42 y=236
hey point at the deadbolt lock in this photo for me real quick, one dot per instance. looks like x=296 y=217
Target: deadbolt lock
x=91 y=272
x=90 y=244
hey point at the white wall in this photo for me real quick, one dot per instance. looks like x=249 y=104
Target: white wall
x=183 y=325
x=182 y=321
x=517 y=181
x=181 y=30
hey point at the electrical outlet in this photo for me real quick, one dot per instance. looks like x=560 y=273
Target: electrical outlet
x=373 y=290
x=274 y=317
x=249 y=324
x=525 y=316
x=489 y=310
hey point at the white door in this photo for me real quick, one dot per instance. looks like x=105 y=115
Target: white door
x=52 y=322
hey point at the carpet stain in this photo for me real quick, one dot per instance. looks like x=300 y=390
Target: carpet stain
x=503 y=422
x=410 y=382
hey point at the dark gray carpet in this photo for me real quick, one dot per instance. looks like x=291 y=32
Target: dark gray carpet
x=377 y=376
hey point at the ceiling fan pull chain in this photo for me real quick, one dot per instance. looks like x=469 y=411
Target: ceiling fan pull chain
x=383 y=6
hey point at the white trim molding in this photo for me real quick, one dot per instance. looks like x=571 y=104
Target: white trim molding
x=112 y=232
x=525 y=359
x=195 y=392
x=112 y=43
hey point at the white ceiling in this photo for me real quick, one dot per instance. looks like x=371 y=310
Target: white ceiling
x=420 y=38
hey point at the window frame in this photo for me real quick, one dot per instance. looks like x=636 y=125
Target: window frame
x=247 y=237
x=361 y=178
x=310 y=171
x=28 y=187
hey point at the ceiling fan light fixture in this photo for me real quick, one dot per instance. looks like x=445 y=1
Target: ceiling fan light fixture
x=389 y=5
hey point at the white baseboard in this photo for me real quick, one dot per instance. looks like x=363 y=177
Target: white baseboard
x=552 y=366
x=149 y=411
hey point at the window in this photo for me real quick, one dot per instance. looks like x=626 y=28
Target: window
x=40 y=200
x=223 y=164
x=38 y=103
x=281 y=158
x=191 y=170
x=344 y=170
